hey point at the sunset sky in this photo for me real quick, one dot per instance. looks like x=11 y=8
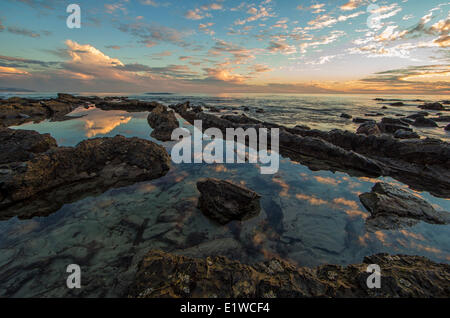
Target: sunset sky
x=225 y=46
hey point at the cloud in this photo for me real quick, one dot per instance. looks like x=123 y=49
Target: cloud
x=330 y=38
x=417 y=79
x=202 y=12
x=280 y=46
x=23 y=31
x=255 y=14
x=206 y=28
x=351 y=5
x=151 y=34
x=7 y=71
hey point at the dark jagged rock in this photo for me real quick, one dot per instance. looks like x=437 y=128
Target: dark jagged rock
x=441 y=118
x=163 y=122
x=61 y=175
x=433 y=106
x=181 y=108
x=397 y=104
x=423 y=164
x=224 y=201
x=447 y=128
x=346 y=116
x=424 y=122
x=363 y=120
x=304 y=127
x=23 y=145
x=374 y=114
x=405 y=134
x=296 y=147
x=391 y=125
x=369 y=129
x=393 y=208
x=419 y=114
x=129 y=105
x=163 y=275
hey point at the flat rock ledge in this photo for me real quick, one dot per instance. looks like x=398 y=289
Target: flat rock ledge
x=52 y=176
x=163 y=275
x=223 y=201
x=394 y=208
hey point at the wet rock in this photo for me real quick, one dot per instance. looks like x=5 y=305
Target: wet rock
x=224 y=201
x=22 y=145
x=424 y=122
x=433 y=106
x=393 y=208
x=303 y=127
x=447 y=128
x=125 y=104
x=260 y=111
x=417 y=115
x=374 y=114
x=168 y=275
x=369 y=129
x=423 y=164
x=441 y=118
x=62 y=175
x=347 y=116
x=163 y=122
x=362 y=120
x=397 y=104
x=197 y=109
x=181 y=108
x=405 y=134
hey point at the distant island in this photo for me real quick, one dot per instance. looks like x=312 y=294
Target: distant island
x=159 y=93
x=15 y=90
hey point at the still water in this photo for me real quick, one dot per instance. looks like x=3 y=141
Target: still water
x=308 y=218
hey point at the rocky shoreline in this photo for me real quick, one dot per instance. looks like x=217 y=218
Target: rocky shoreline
x=423 y=164
x=167 y=275
x=37 y=177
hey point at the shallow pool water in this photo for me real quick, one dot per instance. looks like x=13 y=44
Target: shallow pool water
x=308 y=218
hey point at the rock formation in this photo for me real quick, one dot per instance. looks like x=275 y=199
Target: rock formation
x=163 y=275
x=37 y=178
x=392 y=208
x=163 y=122
x=224 y=201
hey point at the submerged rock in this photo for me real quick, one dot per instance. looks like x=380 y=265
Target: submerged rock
x=423 y=164
x=163 y=122
x=359 y=120
x=397 y=104
x=424 y=122
x=167 y=275
x=419 y=114
x=405 y=134
x=393 y=208
x=346 y=116
x=224 y=201
x=433 y=106
x=42 y=184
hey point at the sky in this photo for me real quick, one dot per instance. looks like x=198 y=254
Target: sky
x=227 y=46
